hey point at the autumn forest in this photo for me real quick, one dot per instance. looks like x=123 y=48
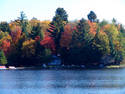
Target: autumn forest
x=88 y=42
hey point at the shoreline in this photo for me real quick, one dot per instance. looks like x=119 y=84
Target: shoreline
x=116 y=66
x=65 y=67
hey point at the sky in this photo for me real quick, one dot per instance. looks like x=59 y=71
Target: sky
x=76 y=9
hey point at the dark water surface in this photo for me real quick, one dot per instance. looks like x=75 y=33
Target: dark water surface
x=106 y=81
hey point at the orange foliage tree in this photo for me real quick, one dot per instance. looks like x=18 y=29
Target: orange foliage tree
x=16 y=34
x=66 y=37
x=93 y=27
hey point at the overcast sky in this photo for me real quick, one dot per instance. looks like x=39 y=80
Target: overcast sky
x=76 y=9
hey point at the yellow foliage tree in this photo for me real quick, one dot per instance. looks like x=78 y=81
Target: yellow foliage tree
x=28 y=48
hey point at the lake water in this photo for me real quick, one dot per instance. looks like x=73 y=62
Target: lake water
x=104 y=81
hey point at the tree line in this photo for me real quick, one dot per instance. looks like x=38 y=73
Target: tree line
x=88 y=42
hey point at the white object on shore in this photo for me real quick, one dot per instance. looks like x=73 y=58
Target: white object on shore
x=12 y=67
x=2 y=67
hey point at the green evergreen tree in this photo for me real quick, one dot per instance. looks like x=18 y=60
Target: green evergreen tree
x=81 y=40
x=92 y=16
x=36 y=31
x=57 y=26
x=22 y=20
x=81 y=36
x=62 y=13
x=3 y=60
x=4 y=26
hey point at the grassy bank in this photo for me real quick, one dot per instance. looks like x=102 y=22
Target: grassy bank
x=116 y=66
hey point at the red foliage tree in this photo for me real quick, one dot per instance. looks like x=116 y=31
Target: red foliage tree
x=48 y=42
x=5 y=46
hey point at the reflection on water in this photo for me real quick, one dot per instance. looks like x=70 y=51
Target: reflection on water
x=107 y=81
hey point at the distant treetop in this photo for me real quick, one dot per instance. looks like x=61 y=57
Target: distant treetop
x=62 y=13
x=92 y=16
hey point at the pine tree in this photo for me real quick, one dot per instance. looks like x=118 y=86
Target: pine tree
x=92 y=16
x=23 y=22
x=36 y=32
x=62 y=13
x=81 y=36
x=4 y=26
x=57 y=26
